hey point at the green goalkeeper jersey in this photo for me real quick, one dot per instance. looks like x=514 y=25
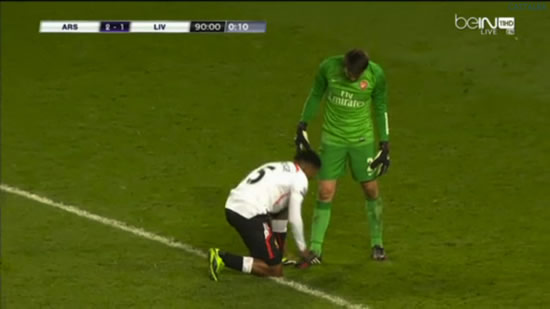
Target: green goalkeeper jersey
x=348 y=115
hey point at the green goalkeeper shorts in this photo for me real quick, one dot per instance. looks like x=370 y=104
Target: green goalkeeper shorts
x=335 y=158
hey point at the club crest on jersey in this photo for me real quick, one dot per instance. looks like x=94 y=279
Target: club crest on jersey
x=364 y=84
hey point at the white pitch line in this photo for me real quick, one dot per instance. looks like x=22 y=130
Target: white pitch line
x=168 y=242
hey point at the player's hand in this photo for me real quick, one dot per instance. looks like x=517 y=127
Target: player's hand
x=301 y=140
x=308 y=258
x=382 y=159
x=305 y=254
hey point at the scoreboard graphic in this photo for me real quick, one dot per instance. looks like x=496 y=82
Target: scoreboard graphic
x=83 y=26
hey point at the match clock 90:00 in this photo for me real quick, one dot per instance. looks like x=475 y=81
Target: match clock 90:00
x=207 y=26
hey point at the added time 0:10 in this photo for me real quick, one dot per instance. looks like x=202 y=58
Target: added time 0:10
x=237 y=27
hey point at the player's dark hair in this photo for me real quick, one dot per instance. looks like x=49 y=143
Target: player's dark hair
x=308 y=156
x=356 y=61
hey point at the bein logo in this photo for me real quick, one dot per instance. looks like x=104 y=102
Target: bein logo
x=486 y=26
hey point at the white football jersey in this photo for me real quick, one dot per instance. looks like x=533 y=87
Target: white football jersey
x=270 y=189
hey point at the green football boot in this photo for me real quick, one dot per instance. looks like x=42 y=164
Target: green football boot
x=215 y=263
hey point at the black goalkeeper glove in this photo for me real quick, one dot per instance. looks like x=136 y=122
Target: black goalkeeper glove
x=301 y=141
x=382 y=159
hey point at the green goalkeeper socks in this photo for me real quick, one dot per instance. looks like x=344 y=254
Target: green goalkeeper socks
x=321 y=219
x=374 y=213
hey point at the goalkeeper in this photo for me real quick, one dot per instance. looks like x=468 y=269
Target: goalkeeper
x=356 y=104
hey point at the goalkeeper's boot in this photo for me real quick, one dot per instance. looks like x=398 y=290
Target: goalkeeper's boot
x=378 y=253
x=313 y=259
x=215 y=263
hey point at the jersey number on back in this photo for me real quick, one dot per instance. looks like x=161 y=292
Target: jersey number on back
x=261 y=174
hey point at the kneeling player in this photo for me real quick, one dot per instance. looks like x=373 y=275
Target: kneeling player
x=254 y=209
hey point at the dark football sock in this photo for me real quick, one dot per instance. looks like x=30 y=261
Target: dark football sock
x=232 y=261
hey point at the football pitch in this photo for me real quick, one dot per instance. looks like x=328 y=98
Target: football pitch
x=145 y=134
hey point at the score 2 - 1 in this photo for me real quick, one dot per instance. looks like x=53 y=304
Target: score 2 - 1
x=114 y=26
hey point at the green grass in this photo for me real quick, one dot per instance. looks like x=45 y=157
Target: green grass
x=154 y=130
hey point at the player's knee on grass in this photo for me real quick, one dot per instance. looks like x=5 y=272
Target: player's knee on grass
x=276 y=270
x=327 y=189
x=370 y=188
x=272 y=257
x=263 y=269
